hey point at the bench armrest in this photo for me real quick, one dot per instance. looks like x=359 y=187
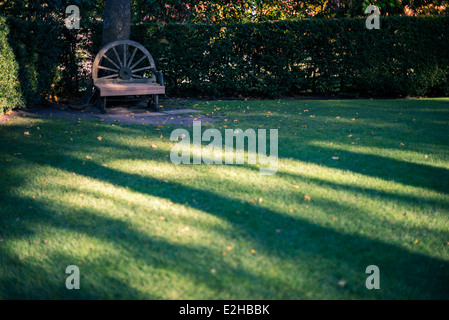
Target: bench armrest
x=159 y=76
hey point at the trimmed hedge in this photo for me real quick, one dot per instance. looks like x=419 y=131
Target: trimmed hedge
x=31 y=61
x=406 y=57
x=37 y=47
x=10 y=91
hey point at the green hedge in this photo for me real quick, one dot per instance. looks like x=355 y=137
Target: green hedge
x=37 y=47
x=406 y=57
x=10 y=91
x=32 y=61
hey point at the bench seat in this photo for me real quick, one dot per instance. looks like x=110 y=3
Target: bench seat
x=129 y=89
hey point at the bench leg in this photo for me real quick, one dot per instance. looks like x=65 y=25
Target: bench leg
x=102 y=104
x=153 y=103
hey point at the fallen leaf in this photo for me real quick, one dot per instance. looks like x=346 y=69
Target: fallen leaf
x=341 y=283
x=253 y=251
x=335 y=158
x=154 y=146
x=334 y=218
x=26 y=133
x=229 y=248
x=295 y=186
x=260 y=200
x=213 y=271
x=307 y=198
x=416 y=241
x=99 y=138
x=88 y=157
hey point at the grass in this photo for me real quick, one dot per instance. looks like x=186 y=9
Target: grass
x=359 y=183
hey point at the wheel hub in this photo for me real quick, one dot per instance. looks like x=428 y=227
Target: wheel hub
x=125 y=73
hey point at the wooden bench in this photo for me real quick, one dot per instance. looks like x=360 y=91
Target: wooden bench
x=125 y=69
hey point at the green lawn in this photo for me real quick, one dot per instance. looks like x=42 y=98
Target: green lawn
x=360 y=182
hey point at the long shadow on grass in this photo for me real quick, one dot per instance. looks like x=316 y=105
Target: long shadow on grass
x=417 y=275
x=26 y=279
x=347 y=253
x=407 y=173
x=105 y=277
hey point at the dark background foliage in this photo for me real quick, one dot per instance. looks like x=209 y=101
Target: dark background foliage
x=406 y=57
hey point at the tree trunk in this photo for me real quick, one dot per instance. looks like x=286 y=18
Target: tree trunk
x=116 y=20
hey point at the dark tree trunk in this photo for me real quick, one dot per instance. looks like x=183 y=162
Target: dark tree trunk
x=117 y=20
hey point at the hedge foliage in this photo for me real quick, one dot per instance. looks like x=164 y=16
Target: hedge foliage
x=32 y=61
x=10 y=91
x=37 y=47
x=405 y=57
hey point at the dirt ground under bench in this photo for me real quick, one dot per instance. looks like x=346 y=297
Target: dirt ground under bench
x=117 y=114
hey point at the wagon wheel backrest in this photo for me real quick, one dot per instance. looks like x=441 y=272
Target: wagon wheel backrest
x=123 y=61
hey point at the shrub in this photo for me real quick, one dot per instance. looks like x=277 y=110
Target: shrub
x=10 y=91
x=36 y=46
x=407 y=56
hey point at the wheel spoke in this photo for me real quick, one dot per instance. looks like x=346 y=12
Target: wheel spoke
x=108 y=69
x=115 y=65
x=135 y=64
x=118 y=58
x=125 y=48
x=141 y=69
x=137 y=76
x=109 y=77
x=132 y=57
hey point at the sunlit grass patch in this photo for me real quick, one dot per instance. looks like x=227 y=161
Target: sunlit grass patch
x=359 y=182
